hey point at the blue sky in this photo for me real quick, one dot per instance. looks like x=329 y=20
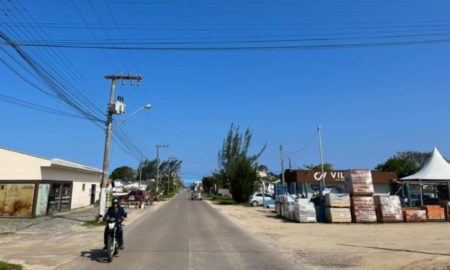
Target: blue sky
x=371 y=102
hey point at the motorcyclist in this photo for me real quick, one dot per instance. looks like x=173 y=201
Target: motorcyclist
x=117 y=212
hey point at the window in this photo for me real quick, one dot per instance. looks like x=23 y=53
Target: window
x=84 y=187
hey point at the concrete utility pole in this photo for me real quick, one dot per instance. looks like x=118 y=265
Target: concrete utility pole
x=282 y=165
x=157 y=165
x=322 y=184
x=113 y=108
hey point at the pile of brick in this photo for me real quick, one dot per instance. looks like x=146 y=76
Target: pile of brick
x=388 y=209
x=446 y=206
x=434 y=212
x=337 y=208
x=412 y=214
x=360 y=186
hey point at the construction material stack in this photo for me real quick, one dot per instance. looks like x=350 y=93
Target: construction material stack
x=360 y=186
x=412 y=214
x=304 y=211
x=434 y=212
x=279 y=200
x=446 y=206
x=337 y=208
x=287 y=209
x=388 y=209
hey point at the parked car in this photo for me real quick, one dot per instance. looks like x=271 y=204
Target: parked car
x=256 y=199
x=196 y=195
x=135 y=196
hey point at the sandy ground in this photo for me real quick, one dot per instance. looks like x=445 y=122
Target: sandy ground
x=349 y=246
x=46 y=249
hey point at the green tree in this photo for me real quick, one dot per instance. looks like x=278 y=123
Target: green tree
x=124 y=172
x=326 y=167
x=404 y=163
x=236 y=167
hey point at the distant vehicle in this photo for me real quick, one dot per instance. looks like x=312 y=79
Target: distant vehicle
x=135 y=196
x=256 y=199
x=196 y=195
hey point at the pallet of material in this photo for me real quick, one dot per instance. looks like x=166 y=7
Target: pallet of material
x=304 y=211
x=338 y=215
x=337 y=200
x=359 y=182
x=388 y=209
x=434 y=212
x=363 y=209
x=446 y=206
x=411 y=214
x=278 y=208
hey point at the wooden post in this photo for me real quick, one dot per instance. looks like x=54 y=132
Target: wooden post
x=448 y=190
x=409 y=194
x=421 y=192
x=403 y=195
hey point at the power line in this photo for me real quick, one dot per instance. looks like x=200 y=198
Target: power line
x=247 y=48
x=304 y=146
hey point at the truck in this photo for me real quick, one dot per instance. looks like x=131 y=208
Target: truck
x=134 y=196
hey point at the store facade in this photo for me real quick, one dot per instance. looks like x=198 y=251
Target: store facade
x=307 y=181
x=35 y=186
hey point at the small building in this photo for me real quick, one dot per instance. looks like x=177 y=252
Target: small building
x=34 y=186
x=308 y=181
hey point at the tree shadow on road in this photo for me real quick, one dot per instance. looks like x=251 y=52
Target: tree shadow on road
x=96 y=255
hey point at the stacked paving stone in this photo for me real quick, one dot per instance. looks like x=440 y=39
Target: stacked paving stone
x=360 y=186
x=337 y=208
x=388 y=209
x=304 y=211
x=412 y=214
x=434 y=212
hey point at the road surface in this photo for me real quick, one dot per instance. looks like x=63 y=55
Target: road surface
x=185 y=234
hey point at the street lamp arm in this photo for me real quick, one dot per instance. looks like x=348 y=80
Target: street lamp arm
x=146 y=107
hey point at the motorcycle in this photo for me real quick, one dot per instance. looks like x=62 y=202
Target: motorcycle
x=112 y=243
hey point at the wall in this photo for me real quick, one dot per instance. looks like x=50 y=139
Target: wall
x=80 y=198
x=18 y=166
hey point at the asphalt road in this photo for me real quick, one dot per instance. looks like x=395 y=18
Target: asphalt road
x=185 y=234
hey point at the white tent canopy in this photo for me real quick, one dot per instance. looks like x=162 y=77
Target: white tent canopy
x=436 y=168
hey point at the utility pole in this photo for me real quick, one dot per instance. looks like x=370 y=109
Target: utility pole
x=282 y=165
x=114 y=107
x=157 y=165
x=290 y=164
x=322 y=184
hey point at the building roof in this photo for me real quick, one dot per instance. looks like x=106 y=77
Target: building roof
x=57 y=162
x=436 y=168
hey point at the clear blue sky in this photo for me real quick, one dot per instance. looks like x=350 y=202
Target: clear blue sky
x=371 y=102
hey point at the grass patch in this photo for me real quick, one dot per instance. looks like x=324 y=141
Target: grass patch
x=9 y=266
x=6 y=233
x=92 y=223
x=165 y=197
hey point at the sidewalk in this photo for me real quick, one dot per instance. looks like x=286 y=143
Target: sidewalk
x=48 y=242
x=59 y=223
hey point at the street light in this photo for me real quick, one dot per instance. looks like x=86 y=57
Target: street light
x=146 y=107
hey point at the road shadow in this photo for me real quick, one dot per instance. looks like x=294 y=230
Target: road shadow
x=96 y=255
x=399 y=250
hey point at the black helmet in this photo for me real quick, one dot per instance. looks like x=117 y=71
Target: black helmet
x=115 y=200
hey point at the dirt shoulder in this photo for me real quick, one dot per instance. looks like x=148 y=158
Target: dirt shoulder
x=49 y=242
x=349 y=246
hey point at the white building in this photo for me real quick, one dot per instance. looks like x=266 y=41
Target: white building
x=34 y=186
